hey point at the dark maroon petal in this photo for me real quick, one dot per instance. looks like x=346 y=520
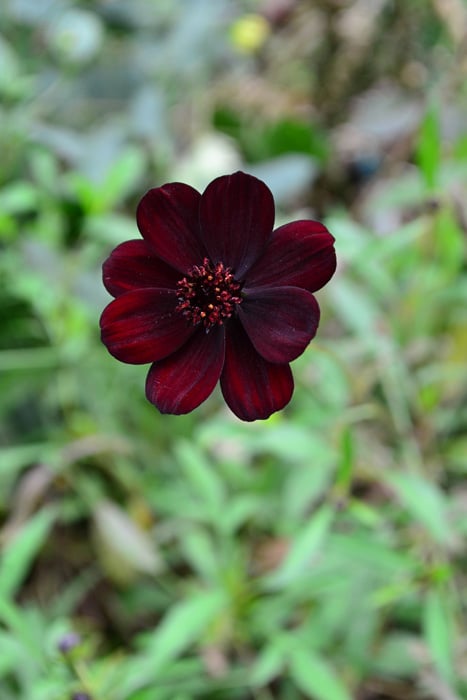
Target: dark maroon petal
x=133 y=265
x=168 y=218
x=299 y=254
x=182 y=381
x=143 y=326
x=252 y=387
x=280 y=322
x=237 y=217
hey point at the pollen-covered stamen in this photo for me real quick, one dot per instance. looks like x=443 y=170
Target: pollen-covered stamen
x=208 y=294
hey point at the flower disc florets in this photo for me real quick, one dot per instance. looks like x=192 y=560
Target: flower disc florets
x=208 y=295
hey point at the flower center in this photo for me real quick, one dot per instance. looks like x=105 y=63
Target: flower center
x=208 y=294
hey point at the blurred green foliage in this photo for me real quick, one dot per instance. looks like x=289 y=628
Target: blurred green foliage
x=319 y=554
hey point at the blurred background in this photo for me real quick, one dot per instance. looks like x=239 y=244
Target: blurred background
x=322 y=553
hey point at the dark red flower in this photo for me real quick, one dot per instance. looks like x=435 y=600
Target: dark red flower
x=212 y=292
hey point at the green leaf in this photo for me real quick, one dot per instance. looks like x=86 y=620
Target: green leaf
x=292 y=136
x=372 y=552
x=428 y=152
x=305 y=545
x=10 y=71
x=17 y=457
x=238 y=510
x=110 y=229
x=183 y=625
x=11 y=652
x=44 y=168
x=393 y=655
x=125 y=548
x=21 y=550
x=268 y=665
x=315 y=677
x=449 y=244
x=357 y=310
x=305 y=486
x=345 y=468
x=201 y=476
x=201 y=554
x=19 y=197
x=425 y=503
x=122 y=177
x=84 y=191
x=438 y=631
x=287 y=441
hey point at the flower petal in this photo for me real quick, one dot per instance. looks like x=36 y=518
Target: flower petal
x=142 y=326
x=133 y=265
x=299 y=254
x=185 y=379
x=280 y=322
x=168 y=218
x=252 y=387
x=237 y=217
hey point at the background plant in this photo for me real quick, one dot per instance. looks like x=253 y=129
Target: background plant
x=320 y=554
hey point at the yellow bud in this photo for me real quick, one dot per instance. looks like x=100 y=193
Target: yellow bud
x=249 y=32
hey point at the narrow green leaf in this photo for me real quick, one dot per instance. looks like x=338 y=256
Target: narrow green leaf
x=184 y=624
x=394 y=655
x=357 y=310
x=345 y=468
x=84 y=190
x=425 y=502
x=11 y=652
x=372 y=552
x=428 y=152
x=21 y=550
x=123 y=176
x=315 y=677
x=305 y=545
x=18 y=197
x=268 y=665
x=16 y=457
x=201 y=476
x=199 y=549
x=438 y=629
x=449 y=239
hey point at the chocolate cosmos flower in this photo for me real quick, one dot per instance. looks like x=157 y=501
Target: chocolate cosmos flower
x=212 y=292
